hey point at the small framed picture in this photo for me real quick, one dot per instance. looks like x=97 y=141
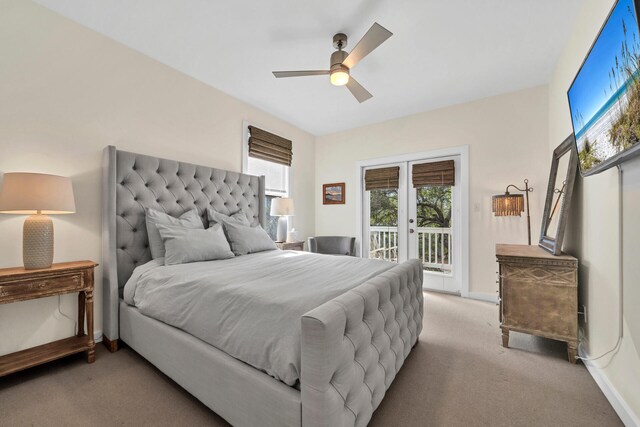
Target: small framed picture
x=333 y=194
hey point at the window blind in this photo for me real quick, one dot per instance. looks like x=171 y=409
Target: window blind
x=434 y=173
x=382 y=178
x=267 y=146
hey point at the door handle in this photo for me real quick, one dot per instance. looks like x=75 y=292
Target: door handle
x=411 y=230
x=411 y=221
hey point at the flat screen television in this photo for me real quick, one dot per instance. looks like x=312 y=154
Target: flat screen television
x=604 y=98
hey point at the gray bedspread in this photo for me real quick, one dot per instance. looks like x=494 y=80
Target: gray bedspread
x=249 y=306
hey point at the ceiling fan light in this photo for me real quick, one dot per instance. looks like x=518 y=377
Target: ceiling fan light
x=339 y=78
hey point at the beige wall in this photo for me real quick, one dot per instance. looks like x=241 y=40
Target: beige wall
x=65 y=93
x=594 y=235
x=506 y=136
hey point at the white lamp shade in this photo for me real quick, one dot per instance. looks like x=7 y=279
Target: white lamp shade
x=282 y=206
x=29 y=193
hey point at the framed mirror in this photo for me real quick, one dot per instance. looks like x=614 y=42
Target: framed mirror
x=564 y=164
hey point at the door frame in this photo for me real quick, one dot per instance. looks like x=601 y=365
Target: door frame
x=463 y=152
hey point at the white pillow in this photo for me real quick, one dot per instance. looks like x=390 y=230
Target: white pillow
x=183 y=245
x=216 y=217
x=247 y=240
x=153 y=218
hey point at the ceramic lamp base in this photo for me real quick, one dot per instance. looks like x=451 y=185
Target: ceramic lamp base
x=37 y=242
x=282 y=229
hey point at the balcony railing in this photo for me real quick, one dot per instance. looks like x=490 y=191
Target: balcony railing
x=434 y=246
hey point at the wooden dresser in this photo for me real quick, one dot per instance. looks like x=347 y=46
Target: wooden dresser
x=538 y=294
x=18 y=284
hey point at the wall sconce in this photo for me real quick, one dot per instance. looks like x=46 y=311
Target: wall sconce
x=508 y=204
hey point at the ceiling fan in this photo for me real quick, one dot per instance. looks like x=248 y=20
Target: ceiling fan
x=342 y=62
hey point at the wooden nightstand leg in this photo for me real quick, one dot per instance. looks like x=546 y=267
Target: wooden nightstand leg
x=81 y=304
x=505 y=337
x=91 y=356
x=572 y=351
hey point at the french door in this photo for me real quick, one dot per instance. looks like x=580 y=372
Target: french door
x=421 y=222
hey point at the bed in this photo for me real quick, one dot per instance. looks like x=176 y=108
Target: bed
x=349 y=348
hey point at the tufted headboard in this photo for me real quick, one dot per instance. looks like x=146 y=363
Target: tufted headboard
x=133 y=182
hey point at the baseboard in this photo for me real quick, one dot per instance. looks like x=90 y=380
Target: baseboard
x=624 y=411
x=481 y=296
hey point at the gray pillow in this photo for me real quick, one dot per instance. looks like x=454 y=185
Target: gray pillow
x=216 y=217
x=153 y=218
x=247 y=240
x=184 y=245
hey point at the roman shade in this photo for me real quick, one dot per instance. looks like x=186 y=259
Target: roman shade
x=382 y=178
x=267 y=146
x=434 y=173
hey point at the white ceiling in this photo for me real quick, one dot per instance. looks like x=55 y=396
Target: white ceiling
x=442 y=52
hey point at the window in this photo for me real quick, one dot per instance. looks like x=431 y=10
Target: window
x=276 y=176
x=277 y=182
x=276 y=185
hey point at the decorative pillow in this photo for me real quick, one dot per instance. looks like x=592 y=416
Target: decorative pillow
x=216 y=217
x=247 y=240
x=153 y=218
x=184 y=245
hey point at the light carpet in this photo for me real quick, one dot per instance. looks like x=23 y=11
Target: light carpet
x=458 y=375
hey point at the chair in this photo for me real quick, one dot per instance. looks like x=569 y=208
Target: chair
x=333 y=245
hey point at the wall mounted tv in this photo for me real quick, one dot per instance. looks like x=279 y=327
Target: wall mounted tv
x=604 y=97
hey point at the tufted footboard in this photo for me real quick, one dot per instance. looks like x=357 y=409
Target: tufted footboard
x=353 y=346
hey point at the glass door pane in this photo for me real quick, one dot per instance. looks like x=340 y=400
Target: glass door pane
x=383 y=224
x=434 y=213
x=433 y=218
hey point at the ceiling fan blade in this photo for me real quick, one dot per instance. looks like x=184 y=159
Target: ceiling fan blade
x=281 y=74
x=376 y=35
x=357 y=90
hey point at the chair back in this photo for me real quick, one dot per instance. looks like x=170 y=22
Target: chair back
x=333 y=245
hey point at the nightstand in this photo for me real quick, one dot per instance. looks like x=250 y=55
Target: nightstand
x=538 y=294
x=290 y=246
x=18 y=284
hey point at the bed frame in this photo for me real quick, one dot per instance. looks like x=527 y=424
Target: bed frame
x=352 y=346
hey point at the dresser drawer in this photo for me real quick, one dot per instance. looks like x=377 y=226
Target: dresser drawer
x=40 y=287
x=540 y=300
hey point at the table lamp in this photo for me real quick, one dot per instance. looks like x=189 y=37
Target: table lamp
x=36 y=195
x=282 y=207
x=508 y=204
